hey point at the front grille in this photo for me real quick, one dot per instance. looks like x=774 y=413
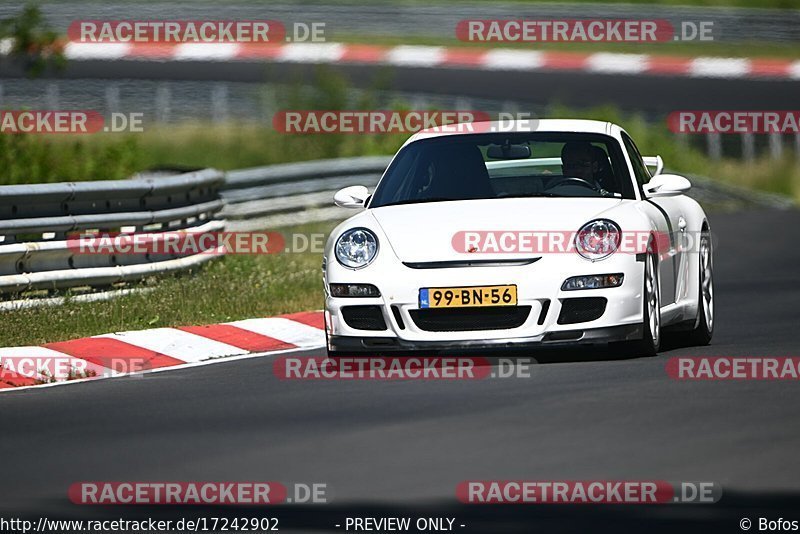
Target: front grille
x=364 y=317
x=581 y=310
x=466 y=319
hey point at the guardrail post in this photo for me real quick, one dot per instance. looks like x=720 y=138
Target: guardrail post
x=714 y=142
x=419 y=101
x=162 y=103
x=112 y=97
x=219 y=103
x=52 y=96
x=797 y=146
x=463 y=104
x=748 y=146
x=775 y=145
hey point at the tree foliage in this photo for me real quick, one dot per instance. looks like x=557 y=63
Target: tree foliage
x=28 y=38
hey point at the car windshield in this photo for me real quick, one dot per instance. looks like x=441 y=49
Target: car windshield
x=485 y=166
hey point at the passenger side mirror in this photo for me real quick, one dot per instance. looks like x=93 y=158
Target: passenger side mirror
x=354 y=196
x=666 y=185
x=654 y=162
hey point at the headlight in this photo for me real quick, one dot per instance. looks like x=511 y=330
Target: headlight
x=598 y=239
x=354 y=290
x=356 y=248
x=592 y=281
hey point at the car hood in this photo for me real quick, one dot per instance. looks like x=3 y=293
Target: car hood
x=424 y=232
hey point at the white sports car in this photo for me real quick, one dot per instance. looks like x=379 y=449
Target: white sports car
x=550 y=233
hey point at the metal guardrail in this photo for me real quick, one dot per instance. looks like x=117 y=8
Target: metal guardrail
x=294 y=193
x=37 y=222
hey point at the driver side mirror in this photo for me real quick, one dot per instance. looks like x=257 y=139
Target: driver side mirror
x=354 y=196
x=666 y=185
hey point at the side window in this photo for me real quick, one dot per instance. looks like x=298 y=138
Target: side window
x=639 y=168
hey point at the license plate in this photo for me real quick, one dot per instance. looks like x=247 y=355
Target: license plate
x=463 y=297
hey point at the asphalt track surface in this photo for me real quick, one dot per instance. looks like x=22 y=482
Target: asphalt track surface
x=400 y=448
x=649 y=94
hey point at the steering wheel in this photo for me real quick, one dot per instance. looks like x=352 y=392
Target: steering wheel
x=574 y=180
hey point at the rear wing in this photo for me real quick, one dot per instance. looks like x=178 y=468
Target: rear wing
x=656 y=162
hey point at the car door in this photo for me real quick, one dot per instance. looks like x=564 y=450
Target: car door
x=673 y=260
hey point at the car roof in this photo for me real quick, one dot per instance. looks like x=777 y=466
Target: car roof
x=528 y=125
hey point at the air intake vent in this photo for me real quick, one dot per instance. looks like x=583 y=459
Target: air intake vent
x=543 y=313
x=397 y=317
x=467 y=319
x=581 y=310
x=364 y=317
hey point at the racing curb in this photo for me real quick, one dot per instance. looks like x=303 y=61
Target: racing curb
x=438 y=56
x=124 y=353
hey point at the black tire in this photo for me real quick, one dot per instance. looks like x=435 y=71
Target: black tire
x=650 y=344
x=703 y=330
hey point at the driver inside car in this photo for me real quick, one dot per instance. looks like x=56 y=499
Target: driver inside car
x=579 y=160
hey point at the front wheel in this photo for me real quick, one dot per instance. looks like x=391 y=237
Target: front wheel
x=704 y=327
x=651 y=340
x=651 y=310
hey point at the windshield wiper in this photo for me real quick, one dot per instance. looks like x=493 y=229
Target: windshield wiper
x=533 y=195
x=416 y=201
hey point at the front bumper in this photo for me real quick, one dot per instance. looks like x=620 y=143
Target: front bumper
x=538 y=287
